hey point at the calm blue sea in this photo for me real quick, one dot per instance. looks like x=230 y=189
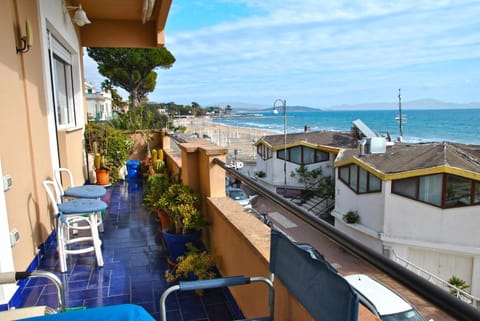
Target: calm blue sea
x=453 y=125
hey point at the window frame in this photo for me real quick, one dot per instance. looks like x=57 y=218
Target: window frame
x=264 y=152
x=60 y=56
x=353 y=181
x=319 y=156
x=444 y=202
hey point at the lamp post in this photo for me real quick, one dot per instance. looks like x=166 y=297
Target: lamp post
x=275 y=111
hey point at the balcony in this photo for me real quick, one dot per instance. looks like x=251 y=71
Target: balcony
x=135 y=260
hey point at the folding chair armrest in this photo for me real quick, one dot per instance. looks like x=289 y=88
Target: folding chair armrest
x=13 y=277
x=219 y=283
x=214 y=283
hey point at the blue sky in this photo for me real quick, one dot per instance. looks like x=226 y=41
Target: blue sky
x=319 y=53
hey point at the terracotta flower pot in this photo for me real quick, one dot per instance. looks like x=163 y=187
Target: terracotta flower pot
x=103 y=176
x=164 y=219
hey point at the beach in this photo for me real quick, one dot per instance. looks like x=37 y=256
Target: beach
x=239 y=139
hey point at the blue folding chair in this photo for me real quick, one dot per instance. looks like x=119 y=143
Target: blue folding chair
x=312 y=281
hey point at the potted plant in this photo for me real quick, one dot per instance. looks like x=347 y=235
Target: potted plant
x=102 y=172
x=111 y=145
x=181 y=203
x=194 y=265
x=155 y=188
x=351 y=217
x=458 y=284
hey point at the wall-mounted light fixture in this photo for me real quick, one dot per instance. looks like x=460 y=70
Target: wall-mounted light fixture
x=27 y=39
x=80 y=17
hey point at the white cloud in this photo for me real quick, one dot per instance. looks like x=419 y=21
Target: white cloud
x=322 y=51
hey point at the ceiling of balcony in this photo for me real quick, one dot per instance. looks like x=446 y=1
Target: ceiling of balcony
x=124 y=23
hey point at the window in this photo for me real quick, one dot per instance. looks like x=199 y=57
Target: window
x=442 y=190
x=476 y=193
x=359 y=180
x=429 y=189
x=62 y=84
x=296 y=154
x=264 y=152
x=459 y=190
x=303 y=155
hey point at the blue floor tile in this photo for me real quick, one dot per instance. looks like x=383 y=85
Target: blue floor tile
x=134 y=266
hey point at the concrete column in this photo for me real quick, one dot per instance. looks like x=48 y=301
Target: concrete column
x=212 y=176
x=199 y=171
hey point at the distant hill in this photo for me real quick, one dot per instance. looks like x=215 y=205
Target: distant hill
x=413 y=104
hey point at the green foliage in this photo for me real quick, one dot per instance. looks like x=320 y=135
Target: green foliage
x=260 y=174
x=144 y=117
x=308 y=177
x=351 y=217
x=313 y=180
x=181 y=203
x=109 y=142
x=195 y=262
x=156 y=186
x=180 y=129
x=459 y=284
x=132 y=68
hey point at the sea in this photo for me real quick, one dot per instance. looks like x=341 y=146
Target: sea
x=418 y=126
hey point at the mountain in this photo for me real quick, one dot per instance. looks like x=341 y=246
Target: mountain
x=413 y=104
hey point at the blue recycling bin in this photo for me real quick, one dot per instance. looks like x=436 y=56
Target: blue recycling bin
x=133 y=168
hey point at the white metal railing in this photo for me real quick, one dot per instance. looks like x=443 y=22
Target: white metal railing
x=459 y=293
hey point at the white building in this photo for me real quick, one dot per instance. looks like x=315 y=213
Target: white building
x=313 y=149
x=418 y=204
x=99 y=103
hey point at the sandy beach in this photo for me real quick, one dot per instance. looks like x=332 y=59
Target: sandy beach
x=241 y=139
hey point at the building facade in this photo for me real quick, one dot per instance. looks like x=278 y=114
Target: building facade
x=99 y=103
x=44 y=114
x=418 y=204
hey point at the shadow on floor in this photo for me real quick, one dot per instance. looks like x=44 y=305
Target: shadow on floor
x=135 y=263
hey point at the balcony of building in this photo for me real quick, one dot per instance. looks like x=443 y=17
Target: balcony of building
x=135 y=258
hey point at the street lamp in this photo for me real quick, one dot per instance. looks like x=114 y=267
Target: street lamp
x=275 y=111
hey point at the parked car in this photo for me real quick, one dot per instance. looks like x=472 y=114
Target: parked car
x=241 y=197
x=382 y=301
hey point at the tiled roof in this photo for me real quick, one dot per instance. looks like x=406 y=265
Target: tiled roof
x=403 y=157
x=319 y=138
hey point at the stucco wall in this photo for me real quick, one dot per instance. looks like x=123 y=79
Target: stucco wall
x=370 y=206
x=24 y=144
x=242 y=244
x=422 y=222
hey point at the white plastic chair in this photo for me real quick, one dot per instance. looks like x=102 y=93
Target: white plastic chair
x=76 y=214
x=73 y=191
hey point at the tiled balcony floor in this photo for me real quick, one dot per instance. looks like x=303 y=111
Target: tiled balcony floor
x=135 y=263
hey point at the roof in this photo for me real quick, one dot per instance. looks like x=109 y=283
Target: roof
x=401 y=157
x=324 y=138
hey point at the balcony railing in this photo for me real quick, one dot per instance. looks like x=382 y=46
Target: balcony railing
x=459 y=293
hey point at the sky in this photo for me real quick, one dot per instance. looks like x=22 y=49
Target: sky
x=318 y=53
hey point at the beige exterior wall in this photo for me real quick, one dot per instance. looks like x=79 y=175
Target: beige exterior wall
x=24 y=135
x=30 y=144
